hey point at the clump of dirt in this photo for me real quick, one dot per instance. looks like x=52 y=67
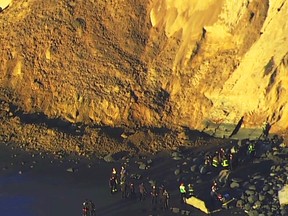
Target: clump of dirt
x=34 y=132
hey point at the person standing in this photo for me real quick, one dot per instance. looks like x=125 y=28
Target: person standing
x=123 y=187
x=165 y=200
x=154 y=195
x=132 y=193
x=142 y=192
x=190 y=191
x=113 y=184
x=182 y=190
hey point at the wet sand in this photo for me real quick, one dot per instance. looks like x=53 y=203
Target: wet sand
x=45 y=187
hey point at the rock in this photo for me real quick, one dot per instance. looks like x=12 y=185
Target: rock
x=252 y=187
x=238 y=180
x=265 y=188
x=247 y=206
x=193 y=168
x=135 y=176
x=257 y=205
x=203 y=169
x=271 y=192
x=20 y=172
x=261 y=197
x=252 y=199
x=177 y=171
x=177 y=158
x=253 y=213
x=250 y=192
x=142 y=166
x=108 y=158
x=149 y=162
x=70 y=169
x=240 y=204
x=234 y=185
x=175 y=210
x=185 y=212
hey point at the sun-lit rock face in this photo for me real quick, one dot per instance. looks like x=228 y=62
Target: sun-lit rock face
x=159 y=63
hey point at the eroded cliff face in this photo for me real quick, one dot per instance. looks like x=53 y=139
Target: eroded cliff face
x=148 y=63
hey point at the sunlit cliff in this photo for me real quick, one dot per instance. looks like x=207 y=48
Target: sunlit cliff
x=157 y=63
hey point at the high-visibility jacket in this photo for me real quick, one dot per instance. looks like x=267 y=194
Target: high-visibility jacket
x=251 y=148
x=225 y=163
x=182 y=189
x=215 y=162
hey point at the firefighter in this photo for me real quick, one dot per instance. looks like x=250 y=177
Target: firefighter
x=214 y=189
x=154 y=194
x=251 y=150
x=208 y=160
x=113 y=184
x=182 y=190
x=215 y=160
x=225 y=162
x=190 y=191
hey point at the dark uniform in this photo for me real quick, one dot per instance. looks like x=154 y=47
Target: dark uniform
x=154 y=194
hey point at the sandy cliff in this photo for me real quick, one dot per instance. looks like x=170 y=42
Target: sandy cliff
x=148 y=63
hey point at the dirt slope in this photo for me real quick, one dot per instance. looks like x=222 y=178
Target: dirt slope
x=134 y=64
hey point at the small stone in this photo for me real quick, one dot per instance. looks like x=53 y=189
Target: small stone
x=175 y=210
x=70 y=169
x=239 y=204
x=234 y=185
x=177 y=172
x=252 y=199
x=20 y=172
x=193 y=168
x=252 y=187
x=250 y=192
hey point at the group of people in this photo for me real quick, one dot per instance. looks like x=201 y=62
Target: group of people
x=128 y=189
x=229 y=158
x=185 y=194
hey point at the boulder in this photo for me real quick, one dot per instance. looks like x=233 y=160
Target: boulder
x=177 y=171
x=234 y=185
x=252 y=187
x=253 y=213
x=175 y=210
x=252 y=199
x=70 y=169
x=108 y=158
x=250 y=192
x=142 y=166
x=193 y=168
x=240 y=204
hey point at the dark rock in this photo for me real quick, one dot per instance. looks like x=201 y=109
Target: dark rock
x=257 y=204
x=70 y=169
x=253 y=213
x=238 y=180
x=239 y=204
x=108 y=158
x=177 y=171
x=252 y=199
x=250 y=192
x=193 y=168
x=234 y=185
x=252 y=187
x=261 y=197
x=175 y=210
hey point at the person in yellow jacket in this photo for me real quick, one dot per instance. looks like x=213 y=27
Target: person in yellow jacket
x=182 y=190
